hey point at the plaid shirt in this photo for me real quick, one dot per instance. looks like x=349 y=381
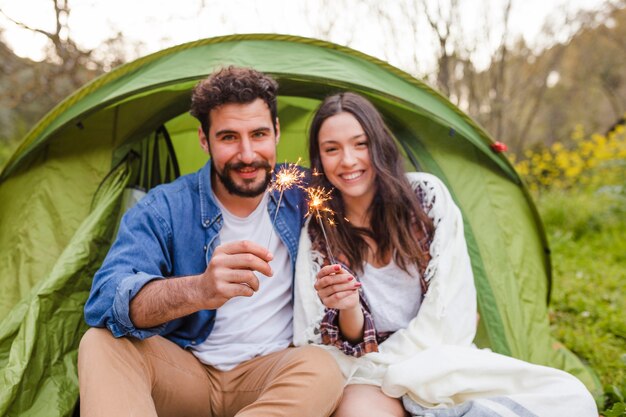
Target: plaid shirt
x=329 y=327
x=331 y=335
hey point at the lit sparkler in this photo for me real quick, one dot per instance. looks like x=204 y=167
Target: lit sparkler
x=317 y=197
x=287 y=176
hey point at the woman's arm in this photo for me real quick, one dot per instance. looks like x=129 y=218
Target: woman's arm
x=351 y=324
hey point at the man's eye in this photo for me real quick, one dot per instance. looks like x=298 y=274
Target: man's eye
x=228 y=138
x=259 y=134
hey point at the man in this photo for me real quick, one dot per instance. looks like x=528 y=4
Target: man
x=193 y=313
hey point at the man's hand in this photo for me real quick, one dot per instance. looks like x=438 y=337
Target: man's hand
x=231 y=272
x=337 y=288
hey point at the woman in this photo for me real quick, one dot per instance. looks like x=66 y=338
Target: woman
x=389 y=288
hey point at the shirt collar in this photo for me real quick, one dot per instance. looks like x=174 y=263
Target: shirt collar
x=209 y=210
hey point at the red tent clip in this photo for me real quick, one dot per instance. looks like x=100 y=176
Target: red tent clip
x=499 y=147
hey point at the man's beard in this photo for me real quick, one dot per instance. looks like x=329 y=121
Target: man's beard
x=238 y=190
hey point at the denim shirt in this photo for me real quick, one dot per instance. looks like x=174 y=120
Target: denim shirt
x=172 y=232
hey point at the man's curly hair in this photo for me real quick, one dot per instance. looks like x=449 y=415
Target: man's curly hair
x=232 y=85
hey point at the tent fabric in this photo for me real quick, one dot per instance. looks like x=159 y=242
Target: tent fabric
x=48 y=185
x=40 y=335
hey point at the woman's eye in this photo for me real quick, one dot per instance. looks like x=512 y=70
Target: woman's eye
x=362 y=144
x=330 y=150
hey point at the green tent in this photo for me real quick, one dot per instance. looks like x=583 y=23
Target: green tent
x=62 y=191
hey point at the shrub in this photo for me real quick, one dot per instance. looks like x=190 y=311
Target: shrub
x=583 y=161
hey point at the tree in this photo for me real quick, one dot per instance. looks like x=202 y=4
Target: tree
x=29 y=89
x=591 y=74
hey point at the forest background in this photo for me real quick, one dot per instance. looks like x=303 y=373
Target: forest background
x=558 y=101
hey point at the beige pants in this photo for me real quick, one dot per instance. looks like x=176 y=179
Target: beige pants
x=129 y=377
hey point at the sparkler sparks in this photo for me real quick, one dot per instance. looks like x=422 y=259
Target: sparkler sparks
x=290 y=176
x=317 y=197
x=287 y=176
x=316 y=173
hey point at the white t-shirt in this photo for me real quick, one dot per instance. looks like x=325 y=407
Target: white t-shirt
x=247 y=327
x=394 y=297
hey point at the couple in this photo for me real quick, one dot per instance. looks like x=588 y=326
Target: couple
x=193 y=314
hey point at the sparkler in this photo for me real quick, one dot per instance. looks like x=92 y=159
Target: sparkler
x=317 y=197
x=287 y=176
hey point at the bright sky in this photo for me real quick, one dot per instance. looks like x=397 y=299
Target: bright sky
x=156 y=24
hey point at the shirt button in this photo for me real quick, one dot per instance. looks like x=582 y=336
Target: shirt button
x=204 y=248
x=193 y=342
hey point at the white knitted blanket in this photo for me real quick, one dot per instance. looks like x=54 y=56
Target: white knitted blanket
x=433 y=363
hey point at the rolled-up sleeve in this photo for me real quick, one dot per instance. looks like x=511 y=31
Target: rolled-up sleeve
x=331 y=334
x=140 y=254
x=126 y=291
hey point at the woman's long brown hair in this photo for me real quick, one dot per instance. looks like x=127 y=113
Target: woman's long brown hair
x=398 y=224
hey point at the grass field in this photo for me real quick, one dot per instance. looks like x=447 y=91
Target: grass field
x=587 y=233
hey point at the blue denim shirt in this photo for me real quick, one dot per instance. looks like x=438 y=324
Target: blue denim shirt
x=173 y=232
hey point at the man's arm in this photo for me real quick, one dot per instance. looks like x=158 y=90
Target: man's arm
x=230 y=273
x=140 y=260
x=138 y=256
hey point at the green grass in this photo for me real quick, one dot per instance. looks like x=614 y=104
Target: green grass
x=587 y=233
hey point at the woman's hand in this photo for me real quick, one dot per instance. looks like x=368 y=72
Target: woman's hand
x=337 y=288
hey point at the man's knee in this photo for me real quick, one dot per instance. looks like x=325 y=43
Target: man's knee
x=97 y=344
x=95 y=339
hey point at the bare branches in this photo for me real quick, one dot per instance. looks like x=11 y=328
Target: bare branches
x=68 y=55
x=392 y=17
x=29 y=89
x=25 y=26
x=70 y=61
x=499 y=81
x=536 y=100
x=329 y=21
x=442 y=25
